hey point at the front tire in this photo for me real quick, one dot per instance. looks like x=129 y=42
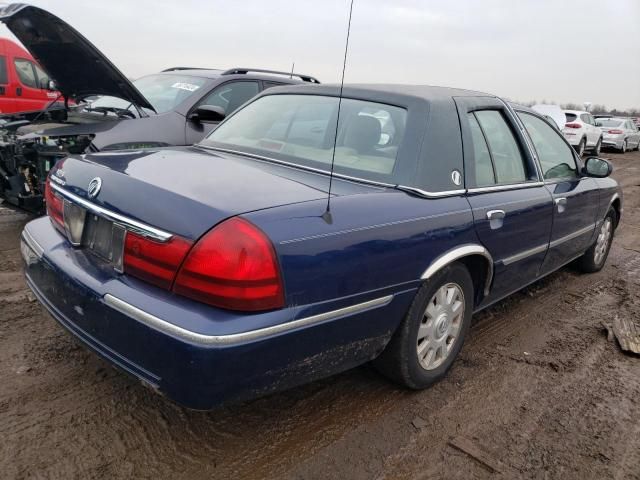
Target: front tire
x=594 y=259
x=428 y=340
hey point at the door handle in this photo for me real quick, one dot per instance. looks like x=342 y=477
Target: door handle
x=496 y=218
x=19 y=91
x=561 y=203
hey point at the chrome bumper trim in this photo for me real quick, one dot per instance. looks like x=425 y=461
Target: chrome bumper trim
x=29 y=240
x=237 y=338
x=129 y=223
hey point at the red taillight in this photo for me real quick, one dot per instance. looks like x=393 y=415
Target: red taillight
x=154 y=262
x=573 y=125
x=54 y=205
x=615 y=132
x=233 y=266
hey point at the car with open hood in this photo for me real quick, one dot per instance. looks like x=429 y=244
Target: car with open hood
x=178 y=106
x=316 y=229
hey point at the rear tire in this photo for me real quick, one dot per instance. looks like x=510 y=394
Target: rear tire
x=581 y=146
x=428 y=340
x=597 y=149
x=595 y=258
x=623 y=149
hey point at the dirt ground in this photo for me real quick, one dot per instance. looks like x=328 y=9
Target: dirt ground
x=538 y=392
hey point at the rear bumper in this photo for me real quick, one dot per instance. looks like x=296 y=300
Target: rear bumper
x=197 y=355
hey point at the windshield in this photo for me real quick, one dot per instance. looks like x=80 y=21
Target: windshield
x=607 y=122
x=164 y=92
x=300 y=129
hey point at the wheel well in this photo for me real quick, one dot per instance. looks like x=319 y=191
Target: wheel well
x=616 y=206
x=478 y=267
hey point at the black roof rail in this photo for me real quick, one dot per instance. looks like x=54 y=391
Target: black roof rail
x=239 y=71
x=175 y=69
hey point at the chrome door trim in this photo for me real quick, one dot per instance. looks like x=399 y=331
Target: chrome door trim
x=237 y=338
x=499 y=188
x=458 y=253
x=129 y=223
x=525 y=254
x=571 y=236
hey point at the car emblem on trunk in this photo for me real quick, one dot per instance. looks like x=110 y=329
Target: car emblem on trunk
x=94 y=187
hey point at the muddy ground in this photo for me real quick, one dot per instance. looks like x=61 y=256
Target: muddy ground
x=538 y=392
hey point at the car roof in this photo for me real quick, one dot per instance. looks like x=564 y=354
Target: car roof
x=384 y=93
x=577 y=112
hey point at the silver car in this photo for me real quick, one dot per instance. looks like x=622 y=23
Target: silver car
x=619 y=133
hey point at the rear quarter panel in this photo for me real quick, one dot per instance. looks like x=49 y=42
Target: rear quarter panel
x=375 y=244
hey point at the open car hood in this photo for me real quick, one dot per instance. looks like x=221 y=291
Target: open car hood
x=78 y=68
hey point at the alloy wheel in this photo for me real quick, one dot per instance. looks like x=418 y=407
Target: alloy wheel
x=440 y=326
x=602 y=242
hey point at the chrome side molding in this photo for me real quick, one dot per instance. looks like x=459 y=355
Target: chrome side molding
x=236 y=338
x=458 y=253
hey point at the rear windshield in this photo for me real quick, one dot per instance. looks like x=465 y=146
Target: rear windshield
x=570 y=117
x=301 y=129
x=607 y=122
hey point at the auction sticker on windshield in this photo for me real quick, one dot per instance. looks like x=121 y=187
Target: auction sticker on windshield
x=190 y=87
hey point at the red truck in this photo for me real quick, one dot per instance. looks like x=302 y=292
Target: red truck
x=24 y=86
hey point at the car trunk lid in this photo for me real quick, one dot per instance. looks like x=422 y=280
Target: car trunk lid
x=186 y=191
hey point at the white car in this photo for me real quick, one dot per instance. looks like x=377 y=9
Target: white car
x=581 y=132
x=619 y=133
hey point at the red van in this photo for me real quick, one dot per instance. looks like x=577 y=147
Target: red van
x=24 y=86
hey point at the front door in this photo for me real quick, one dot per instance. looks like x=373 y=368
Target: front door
x=575 y=197
x=511 y=206
x=29 y=96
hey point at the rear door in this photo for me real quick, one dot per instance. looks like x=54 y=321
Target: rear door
x=512 y=209
x=575 y=197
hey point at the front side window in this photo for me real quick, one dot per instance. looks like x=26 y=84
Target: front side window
x=26 y=72
x=556 y=157
x=231 y=95
x=508 y=162
x=301 y=129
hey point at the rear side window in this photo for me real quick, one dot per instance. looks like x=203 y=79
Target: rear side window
x=556 y=157
x=585 y=118
x=26 y=72
x=571 y=117
x=506 y=156
x=3 y=71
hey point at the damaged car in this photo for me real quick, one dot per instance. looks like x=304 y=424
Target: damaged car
x=104 y=110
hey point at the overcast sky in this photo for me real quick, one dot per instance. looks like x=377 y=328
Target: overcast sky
x=562 y=50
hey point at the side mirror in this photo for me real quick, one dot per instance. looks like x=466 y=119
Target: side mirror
x=46 y=84
x=207 y=113
x=597 y=167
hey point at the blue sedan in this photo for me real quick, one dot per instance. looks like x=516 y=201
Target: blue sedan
x=240 y=266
